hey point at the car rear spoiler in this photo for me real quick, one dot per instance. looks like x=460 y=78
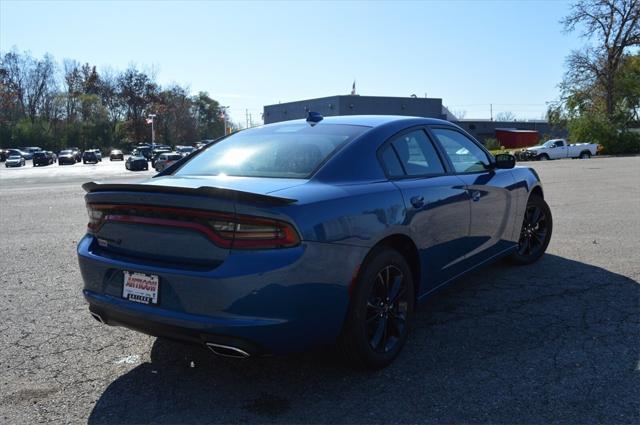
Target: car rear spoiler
x=92 y=187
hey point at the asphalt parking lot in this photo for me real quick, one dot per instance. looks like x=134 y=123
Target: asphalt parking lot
x=556 y=342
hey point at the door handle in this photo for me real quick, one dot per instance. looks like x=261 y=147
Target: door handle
x=417 y=201
x=475 y=195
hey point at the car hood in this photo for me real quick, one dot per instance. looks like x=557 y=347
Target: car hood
x=14 y=160
x=260 y=185
x=535 y=148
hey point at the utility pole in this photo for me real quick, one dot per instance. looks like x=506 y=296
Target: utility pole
x=491 y=110
x=153 y=133
x=246 y=116
x=224 y=117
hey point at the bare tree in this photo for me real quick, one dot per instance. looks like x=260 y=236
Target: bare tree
x=615 y=25
x=12 y=85
x=72 y=82
x=505 y=116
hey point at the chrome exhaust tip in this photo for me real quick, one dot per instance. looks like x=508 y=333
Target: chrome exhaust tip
x=227 y=351
x=97 y=317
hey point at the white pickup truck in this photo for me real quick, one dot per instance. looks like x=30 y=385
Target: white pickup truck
x=557 y=149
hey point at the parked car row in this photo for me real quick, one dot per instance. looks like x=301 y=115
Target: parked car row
x=160 y=156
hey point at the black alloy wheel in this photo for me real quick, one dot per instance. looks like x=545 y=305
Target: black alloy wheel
x=535 y=233
x=387 y=308
x=380 y=312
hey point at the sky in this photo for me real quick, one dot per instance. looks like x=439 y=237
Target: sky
x=472 y=54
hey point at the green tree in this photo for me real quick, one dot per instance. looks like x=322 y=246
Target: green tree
x=599 y=93
x=137 y=92
x=207 y=114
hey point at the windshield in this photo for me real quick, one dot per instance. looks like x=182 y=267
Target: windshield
x=15 y=157
x=286 y=150
x=66 y=152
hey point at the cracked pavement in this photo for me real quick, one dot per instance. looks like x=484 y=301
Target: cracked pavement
x=555 y=342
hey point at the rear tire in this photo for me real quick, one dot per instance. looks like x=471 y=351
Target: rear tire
x=535 y=233
x=585 y=155
x=380 y=312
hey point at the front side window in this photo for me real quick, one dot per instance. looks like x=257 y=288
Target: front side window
x=286 y=151
x=464 y=154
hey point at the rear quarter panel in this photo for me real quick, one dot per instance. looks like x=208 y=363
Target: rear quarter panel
x=358 y=214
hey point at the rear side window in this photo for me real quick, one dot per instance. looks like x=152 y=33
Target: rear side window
x=285 y=150
x=391 y=162
x=416 y=154
x=464 y=154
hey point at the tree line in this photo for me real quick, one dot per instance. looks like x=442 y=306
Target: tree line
x=51 y=105
x=600 y=93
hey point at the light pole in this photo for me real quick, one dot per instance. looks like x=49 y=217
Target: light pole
x=153 y=133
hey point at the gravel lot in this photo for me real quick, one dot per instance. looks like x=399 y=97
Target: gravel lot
x=556 y=342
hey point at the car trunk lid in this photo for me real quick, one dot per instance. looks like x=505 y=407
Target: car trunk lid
x=179 y=222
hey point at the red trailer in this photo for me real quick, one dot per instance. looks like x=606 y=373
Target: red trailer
x=512 y=138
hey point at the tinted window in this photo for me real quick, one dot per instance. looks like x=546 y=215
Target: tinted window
x=285 y=150
x=417 y=155
x=465 y=155
x=391 y=162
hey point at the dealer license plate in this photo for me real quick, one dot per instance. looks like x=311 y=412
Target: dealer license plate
x=140 y=287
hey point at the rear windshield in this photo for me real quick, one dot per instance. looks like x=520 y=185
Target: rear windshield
x=287 y=150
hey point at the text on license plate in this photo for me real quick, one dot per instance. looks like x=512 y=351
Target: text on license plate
x=140 y=287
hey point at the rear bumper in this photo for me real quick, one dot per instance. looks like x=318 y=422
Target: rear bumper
x=191 y=329
x=276 y=301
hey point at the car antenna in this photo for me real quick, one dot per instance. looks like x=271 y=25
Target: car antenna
x=314 y=118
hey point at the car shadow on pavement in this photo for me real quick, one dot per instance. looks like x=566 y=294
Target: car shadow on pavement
x=557 y=341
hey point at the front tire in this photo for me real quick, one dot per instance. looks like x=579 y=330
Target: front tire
x=535 y=233
x=381 y=310
x=543 y=157
x=585 y=155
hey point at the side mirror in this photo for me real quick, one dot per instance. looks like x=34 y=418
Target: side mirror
x=505 y=161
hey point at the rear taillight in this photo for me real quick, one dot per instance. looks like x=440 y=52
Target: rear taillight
x=225 y=230
x=252 y=233
x=95 y=218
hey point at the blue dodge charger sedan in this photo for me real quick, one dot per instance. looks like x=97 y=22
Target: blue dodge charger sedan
x=304 y=233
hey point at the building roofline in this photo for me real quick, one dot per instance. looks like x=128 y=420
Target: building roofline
x=357 y=96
